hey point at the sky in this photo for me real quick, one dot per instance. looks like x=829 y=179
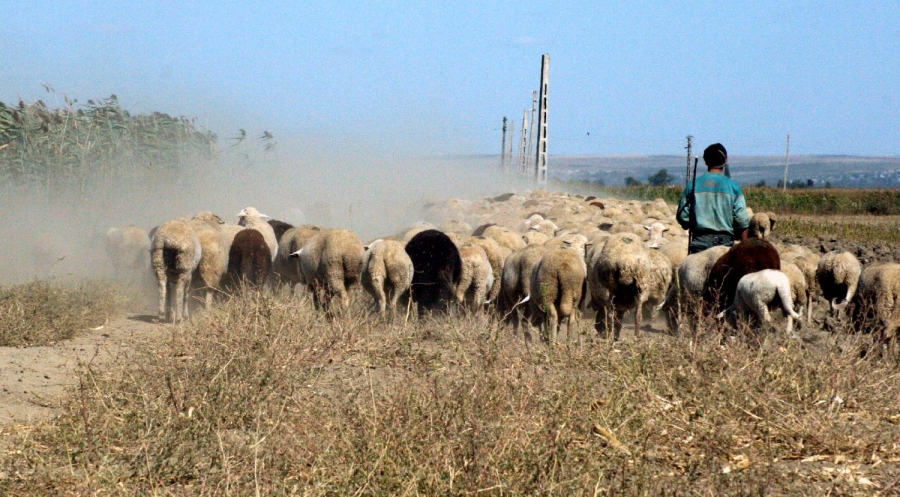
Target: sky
x=437 y=78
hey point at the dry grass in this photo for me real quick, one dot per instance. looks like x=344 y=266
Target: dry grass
x=868 y=229
x=41 y=313
x=265 y=396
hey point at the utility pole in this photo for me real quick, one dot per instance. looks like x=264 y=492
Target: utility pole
x=509 y=145
x=503 y=148
x=529 y=159
x=687 y=171
x=523 y=143
x=540 y=163
x=787 y=160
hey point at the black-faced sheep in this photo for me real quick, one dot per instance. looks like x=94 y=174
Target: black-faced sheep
x=331 y=263
x=744 y=258
x=249 y=217
x=249 y=260
x=557 y=288
x=476 y=277
x=437 y=268
x=387 y=274
x=622 y=269
x=174 y=254
x=279 y=227
x=757 y=292
x=838 y=276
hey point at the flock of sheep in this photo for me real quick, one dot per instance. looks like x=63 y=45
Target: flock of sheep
x=543 y=259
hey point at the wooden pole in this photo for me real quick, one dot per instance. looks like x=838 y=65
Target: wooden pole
x=787 y=161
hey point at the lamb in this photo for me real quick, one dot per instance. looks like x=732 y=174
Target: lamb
x=800 y=293
x=838 y=276
x=331 y=263
x=877 y=303
x=127 y=248
x=437 y=269
x=515 y=283
x=762 y=224
x=622 y=270
x=175 y=253
x=756 y=292
x=249 y=260
x=252 y=218
x=476 y=277
x=557 y=288
x=214 y=258
x=747 y=257
x=387 y=273
x=287 y=268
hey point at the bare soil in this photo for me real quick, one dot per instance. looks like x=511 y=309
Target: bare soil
x=33 y=379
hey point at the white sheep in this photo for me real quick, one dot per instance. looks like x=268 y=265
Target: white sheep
x=496 y=255
x=799 y=289
x=557 y=289
x=515 y=283
x=762 y=224
x=331 y=263
x=655 y=233
x=127 y=249
x=286 y=267
x=214 y=257
x=838 y=276
x=756 y=292
x=252 y=218
x=877 y=303
x=175 y=253
x=387 y=273
x=623 y=272
x=476 y=277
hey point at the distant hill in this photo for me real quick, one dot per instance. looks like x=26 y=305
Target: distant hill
x=824 y=170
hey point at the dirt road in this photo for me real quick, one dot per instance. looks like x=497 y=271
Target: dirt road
x=33 y=379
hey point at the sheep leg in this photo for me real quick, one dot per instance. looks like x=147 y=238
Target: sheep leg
x=551 y=320
x=381 y=297
x=617 y=324
x=642 y=301
x=163 y=284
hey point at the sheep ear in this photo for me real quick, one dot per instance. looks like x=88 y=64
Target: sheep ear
x=648 y=228
x=665 y=228
x=264 y=216
x=242 y=213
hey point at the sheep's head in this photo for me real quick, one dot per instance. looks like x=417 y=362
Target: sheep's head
x=655 y=233
x=249 y=213
x=209 y=218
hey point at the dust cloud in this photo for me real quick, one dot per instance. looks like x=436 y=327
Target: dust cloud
x=59 y=233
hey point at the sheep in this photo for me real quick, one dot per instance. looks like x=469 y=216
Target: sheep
x=331 y=263
x=476 y=277
x=175 y=253
x=505 y=237
x=661 y=272
x=877 y=303
x=535 y=238
x=127 y=249
x=557 y=288
x=496 y=255
x=279 y=227
x=249 y=260
x=762 y=224
x=437 y=268
x=287 y=268
x=622 y=270
x=214 y=257
x=252 y=218
x=756 y=292
x=456 y=226
x=800 y=293
x=655 y=233
x=515 y=283
x=479 y=231
x=747 y=257
x=387 y=273
x=838 y=276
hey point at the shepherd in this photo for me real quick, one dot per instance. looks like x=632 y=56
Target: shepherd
x=712 y=208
